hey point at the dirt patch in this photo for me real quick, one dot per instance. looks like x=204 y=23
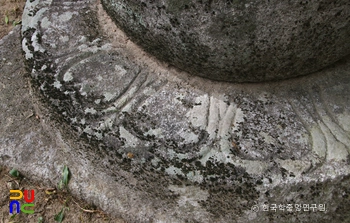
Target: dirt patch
x=10 y=15
x=48 y=202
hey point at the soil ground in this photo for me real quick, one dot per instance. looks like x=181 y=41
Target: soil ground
x=10 y=15
x=48 y=200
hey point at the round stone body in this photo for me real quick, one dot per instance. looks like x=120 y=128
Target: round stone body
x=238 y=41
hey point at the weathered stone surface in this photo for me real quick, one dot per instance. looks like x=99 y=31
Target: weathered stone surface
x=31 y=140
x=238 y=41
x=152 y=144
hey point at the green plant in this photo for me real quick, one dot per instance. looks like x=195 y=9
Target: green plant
x=13 y=216
x=15 y=23
x=14 y=173
x=65 y=178
x=60 y=216
x=6 y=19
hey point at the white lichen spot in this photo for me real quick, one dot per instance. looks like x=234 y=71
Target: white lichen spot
x=83 y=47
x=64 y=39
x=189 y=195
x=108 y=123
x=206 y=153
x=67 y=3
x=120 y=70
x=88 y=130
x=158 y=133
x=155 y=161
x=99 y=78
x=189 y=137
x=130 y=139
x=110 y=109
x=90 y=110
x=174 y=171
x=35 y=43
x=267 y=137
x=68 y=76
x=96 y=41
x=65 y=17
x=45 y=23
x=98 y=135
x=297 y=167
x=97 y=101
x=82 y=39
x=82 y=121
x=195 y=176
x=253 y=166
x=83 y=93
x=171 y=154
x=106 y=46
x=28 y=19
x=109 y=96
x=86 y=48
x=263 y=96
x=28 y=53
x=43 y=67
x=57 y=84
